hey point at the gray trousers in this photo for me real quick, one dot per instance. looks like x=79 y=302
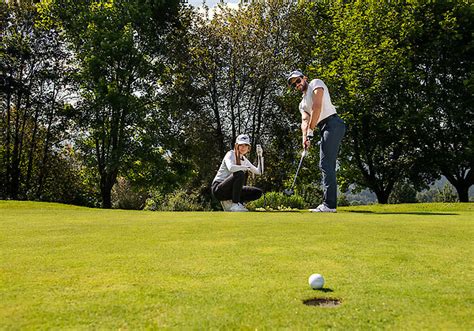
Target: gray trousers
x=331 y=131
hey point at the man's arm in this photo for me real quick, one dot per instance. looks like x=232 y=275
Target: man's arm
x=309 y=122
x=305 y=118
x=317 y=105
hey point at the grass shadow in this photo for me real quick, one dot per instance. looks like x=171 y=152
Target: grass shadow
x=325 y=290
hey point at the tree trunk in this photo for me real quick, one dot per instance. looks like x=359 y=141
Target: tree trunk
x=107 y=181
x=382 y=196
x=462 y=189
x=106 y=193
x=461 y=182
x=44 y=170
x=463 y=193
x=24 y=121
x=31 y=154
x=7 y=146
x=15 y=161
x=215 y=108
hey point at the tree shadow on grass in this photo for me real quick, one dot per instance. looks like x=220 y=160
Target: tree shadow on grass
x=427 y=213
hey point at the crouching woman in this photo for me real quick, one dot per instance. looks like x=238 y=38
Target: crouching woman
x=228 y=185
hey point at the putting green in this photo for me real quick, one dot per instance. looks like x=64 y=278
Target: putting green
x=391 y=267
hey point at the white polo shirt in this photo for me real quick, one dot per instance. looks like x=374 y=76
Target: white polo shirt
x=228 y=166
x=306 y=104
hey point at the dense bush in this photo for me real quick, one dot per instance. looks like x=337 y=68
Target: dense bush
x=427 y=195
x=403 y=193
x=179 y=200
x=125 y=196
x=278 y=201
x=342 y=200
x=312 y=194
x=446 y=194
x=437 y=194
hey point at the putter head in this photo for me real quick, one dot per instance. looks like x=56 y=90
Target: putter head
x=288 y=192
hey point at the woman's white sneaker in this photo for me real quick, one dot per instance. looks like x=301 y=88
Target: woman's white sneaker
x=238 y=207
x=226 y=204
x=322 y=208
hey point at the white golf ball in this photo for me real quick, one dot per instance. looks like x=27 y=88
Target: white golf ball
x=316 y=281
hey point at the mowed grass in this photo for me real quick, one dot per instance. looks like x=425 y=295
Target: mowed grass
x=392 y=267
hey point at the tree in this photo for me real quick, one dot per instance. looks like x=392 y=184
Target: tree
x=228 y=83
x=383 y=63
x=120 y=51
x=442 y=58
x=362 y=56
x=33 y=89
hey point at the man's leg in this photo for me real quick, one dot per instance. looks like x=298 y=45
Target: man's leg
x=331 y=137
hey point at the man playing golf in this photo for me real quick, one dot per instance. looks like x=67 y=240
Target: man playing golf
x=317 y=110
x=228 y=184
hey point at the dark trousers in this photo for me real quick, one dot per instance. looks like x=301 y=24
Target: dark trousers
x=233 y=189
x=332 y=131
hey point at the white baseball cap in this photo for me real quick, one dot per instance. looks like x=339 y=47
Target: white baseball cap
x=243 y=139
x=294 y=74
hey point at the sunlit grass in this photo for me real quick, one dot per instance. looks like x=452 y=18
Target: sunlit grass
x=393 y=267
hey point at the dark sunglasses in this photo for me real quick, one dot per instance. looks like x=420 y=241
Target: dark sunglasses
x=296 y=82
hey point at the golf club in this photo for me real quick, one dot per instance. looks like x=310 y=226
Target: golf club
x=290 y=191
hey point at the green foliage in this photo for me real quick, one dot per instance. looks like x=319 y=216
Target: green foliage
x=383 y=64
x=342 y=200
x=426 y=195
x=445 y=194
x=120 y=49
x=277 y=201
x=34 y=122
x=68 y=180
x=160 y=92
x=154 y=201
x=445 y=71
x=126 y=196
x=227 y=83
x=403 y=193
x=379 y=145
x=179 y=200
x=312 y=193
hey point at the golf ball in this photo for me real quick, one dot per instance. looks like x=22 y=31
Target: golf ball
x=316 y=281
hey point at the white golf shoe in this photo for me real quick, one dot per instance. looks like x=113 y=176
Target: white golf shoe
x=238 y=207
x=226 y=204
x=322 y=208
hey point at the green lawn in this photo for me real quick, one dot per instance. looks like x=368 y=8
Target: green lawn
x=392 y=267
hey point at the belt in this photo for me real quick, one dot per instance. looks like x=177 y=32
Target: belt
x=324 y=121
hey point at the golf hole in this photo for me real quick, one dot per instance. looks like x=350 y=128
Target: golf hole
x=322 y=302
